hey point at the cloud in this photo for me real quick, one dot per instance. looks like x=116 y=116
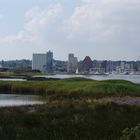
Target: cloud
x=98 y=22
x=103 y=20
x=35 y=20
x=39 y=18
x=93 y=20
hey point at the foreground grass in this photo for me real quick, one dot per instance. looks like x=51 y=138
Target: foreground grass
x=74 y=110
x=100 y=121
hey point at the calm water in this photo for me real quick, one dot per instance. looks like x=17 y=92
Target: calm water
x=18 y=100
x=132 y=78
x=12 y=79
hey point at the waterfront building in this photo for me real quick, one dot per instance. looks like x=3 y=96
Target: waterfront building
x=23 y=64
x=72 y=63
x=43 y=61
x=49 y=63
x=59 y=66
x=80 y=66
x=107 y=66
x=97 y=71
x=122 y=66
x=104 y=66
x=39 y=61
x=87 y=64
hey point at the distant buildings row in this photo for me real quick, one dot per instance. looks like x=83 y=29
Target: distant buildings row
x=16 y=64
x=45 y=62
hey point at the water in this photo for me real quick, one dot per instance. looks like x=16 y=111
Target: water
x=12 y=79
x=132 y=78
x=18 y=100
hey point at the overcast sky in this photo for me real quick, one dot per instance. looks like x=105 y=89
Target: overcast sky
x=102 y=29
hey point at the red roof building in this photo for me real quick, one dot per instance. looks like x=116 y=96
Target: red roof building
x=87 y=63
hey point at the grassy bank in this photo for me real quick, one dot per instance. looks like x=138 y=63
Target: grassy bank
x=18 y=74
x=73 y=88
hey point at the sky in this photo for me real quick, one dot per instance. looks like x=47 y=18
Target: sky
x=101 y=29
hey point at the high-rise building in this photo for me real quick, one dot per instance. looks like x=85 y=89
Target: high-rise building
x=107 y=66
x=43 y=62
x=49 y=64
x=72 y=63
x=39 y=61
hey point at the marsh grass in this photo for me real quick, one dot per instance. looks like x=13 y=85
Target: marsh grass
x=80 y=120
x=18 y=73
x=74 y=88
x=76 y=109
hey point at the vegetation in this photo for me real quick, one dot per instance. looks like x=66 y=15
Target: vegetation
x=68 y=121
x=74 y=88
x=6 y=73
x=132 y=133
x=76 y=109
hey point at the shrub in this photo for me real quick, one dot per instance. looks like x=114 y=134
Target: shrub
x=131 y=134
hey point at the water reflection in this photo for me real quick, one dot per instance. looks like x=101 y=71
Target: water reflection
x=18 y=100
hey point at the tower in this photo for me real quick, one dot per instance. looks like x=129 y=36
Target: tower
x=49 y=61
x=72 y=63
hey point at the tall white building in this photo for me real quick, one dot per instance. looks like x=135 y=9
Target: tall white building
x=43 y=61
x=39 y=61
x=72 y=64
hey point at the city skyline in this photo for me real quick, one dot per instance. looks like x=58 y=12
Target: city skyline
x=103 y=30
x=45 y=63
